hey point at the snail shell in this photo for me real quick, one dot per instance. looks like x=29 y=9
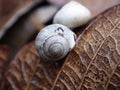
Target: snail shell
x=54 y=42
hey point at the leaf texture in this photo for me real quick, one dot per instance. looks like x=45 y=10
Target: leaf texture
x=4 y=54
x=27 y=72
x=95 y=63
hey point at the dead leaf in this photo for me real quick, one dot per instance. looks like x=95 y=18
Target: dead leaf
x=27 y=72
x=11 y=10
x=4 y=54
x=94 y=64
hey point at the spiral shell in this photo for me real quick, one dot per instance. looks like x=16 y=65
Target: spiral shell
x=54 y=42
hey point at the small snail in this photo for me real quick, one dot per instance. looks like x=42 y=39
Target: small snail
x=54 y=42
x=72 y=15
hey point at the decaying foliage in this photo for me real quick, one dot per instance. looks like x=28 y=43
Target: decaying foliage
x=94 y=64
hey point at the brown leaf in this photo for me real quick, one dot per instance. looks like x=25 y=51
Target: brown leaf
x=95 y=63
x=11 y=10
x=27 y=72
x=4 y=54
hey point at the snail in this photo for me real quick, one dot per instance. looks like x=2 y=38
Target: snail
x=54 y=42
x=72 y=15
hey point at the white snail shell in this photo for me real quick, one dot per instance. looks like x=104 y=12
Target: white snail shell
x=72 y=15
x=54 y=42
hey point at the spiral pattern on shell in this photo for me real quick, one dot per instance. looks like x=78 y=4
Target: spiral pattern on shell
x=54 y=42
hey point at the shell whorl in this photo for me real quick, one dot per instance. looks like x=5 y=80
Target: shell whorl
x=54 y=42
x=55 y=48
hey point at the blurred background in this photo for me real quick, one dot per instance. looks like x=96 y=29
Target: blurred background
x=21 y=20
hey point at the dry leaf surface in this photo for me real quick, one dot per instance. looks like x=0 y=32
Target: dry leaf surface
x=4 y=54
x=27 y=72
x=94 y=64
